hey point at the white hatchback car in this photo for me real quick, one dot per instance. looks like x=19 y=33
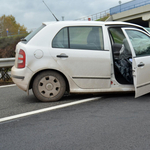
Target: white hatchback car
x=83 y=57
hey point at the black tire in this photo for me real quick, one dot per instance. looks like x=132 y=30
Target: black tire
x=49 y=86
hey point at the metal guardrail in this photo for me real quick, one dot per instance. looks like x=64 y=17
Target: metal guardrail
x=5 y=66
x=7 y=62
x=95 y=16
x=129 y=5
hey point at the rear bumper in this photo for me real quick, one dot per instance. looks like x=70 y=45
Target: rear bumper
x=18 y=77
x=21 y=77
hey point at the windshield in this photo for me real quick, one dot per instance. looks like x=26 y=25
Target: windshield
x=27 y=38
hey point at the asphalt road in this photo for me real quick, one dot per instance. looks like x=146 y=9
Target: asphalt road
x=113 y=122
x=14 y=101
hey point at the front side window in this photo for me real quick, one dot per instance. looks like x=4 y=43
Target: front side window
x=140 y=42
x=79 y=38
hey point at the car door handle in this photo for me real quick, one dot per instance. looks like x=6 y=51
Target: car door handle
x=62 y=56
x=141 y=64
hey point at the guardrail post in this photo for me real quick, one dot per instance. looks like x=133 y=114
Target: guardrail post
x=5 y=66
x=4 y=74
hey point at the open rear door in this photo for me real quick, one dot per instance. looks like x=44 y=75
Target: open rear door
x=139 y=42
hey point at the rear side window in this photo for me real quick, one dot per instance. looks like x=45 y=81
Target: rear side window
x=79 y=38
x=32 y=34
x=61 y=39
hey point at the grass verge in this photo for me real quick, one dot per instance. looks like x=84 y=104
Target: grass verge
x=2 y=82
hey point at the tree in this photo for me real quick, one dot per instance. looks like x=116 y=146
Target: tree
x=9 y=26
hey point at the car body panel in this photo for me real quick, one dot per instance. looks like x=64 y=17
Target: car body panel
x=85 y=67
x=87 y=71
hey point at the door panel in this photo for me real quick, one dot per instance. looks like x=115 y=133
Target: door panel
x=141 y=75
x=88 y=69
x=139 y=42
x=79 y=51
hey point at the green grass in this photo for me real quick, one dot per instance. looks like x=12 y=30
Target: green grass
x=8 y=45
x=6 y=41
x=104 y=18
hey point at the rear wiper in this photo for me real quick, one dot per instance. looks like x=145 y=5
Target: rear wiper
x=23 y=39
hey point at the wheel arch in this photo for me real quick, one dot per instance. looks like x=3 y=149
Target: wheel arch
x=66 y=80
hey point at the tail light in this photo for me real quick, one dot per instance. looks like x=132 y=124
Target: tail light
x=21 y=59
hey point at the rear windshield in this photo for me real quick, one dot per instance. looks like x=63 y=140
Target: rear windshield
x=32 y=34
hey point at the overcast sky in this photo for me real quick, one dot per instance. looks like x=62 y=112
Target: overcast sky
x=31 y=13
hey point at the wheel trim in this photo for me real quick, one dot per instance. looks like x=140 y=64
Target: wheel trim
x=49 y=86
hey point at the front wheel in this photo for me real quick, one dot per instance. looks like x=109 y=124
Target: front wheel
x=49 y=86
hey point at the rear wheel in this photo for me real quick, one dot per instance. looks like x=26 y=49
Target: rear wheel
x=49 y=86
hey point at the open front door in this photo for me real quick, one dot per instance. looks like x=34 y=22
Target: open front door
x=139 y=42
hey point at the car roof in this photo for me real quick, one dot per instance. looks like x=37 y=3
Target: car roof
x=90 y=23
x=102 y=23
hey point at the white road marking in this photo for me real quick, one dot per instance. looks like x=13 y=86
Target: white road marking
x=3 y=86
x=47 y=109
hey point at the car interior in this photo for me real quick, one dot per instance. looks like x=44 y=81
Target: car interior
x=122 y=57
